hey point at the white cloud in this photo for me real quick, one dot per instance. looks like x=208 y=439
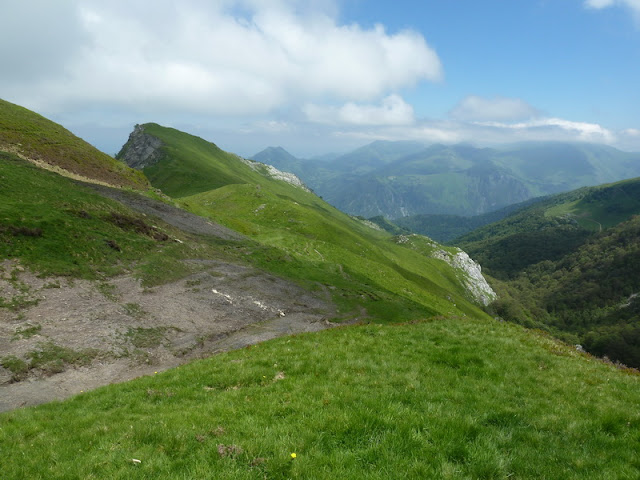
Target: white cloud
x=226 y=57
x=629 y=139
x=633 y=5
x=598 y=4
x=588 y=132
x=29 y=47
x=491 y=132
x=393 y=110
x=474 y=108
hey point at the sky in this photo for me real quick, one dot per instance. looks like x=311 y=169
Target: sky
x=323 y=76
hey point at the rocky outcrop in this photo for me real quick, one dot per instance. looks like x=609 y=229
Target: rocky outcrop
x=467 y=271
x=141 y=150
x=470 y=273
x=273 y=172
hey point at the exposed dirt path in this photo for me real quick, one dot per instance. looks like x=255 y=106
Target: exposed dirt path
x=76 y=335
x=14 y=149
x=594 y=221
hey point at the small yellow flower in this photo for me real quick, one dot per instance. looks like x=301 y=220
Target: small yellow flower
x=155 y=372
x=293 y=455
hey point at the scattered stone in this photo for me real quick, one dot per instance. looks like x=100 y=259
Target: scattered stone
x=229 y=450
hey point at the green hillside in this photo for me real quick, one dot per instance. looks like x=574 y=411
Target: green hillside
x=446 y=228
x=189 y=164
x=447 y=398
x=587 y=296
x=603 y=207
x=27 y=133
x=316 y=244
x=550 y=228
x=569 y=264
x=427 y=385
x=56 y=227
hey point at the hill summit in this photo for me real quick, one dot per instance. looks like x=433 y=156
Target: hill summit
x=48 y=144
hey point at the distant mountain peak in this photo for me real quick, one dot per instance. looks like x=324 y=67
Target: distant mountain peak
x=273 y=154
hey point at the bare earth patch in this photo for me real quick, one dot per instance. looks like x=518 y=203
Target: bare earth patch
x=59 y=337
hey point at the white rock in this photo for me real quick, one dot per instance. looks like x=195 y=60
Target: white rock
x=470 y=274
x=273 y=172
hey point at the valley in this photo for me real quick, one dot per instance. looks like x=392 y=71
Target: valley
x=567 y=264
x=219 y=316
x=320 y=240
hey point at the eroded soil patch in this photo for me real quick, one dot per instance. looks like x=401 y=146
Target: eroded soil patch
x=59 y=337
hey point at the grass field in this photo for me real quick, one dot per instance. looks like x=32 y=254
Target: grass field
x=445 y=398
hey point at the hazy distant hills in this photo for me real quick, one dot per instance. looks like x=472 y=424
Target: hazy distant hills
x=100 y=284
x=400 y=179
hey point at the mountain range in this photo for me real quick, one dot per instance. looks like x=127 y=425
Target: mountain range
x=195 y=216
x=402 y=179
x=177 y=266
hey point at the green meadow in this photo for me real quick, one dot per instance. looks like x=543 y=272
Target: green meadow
x=427 y=385
x=453 y=397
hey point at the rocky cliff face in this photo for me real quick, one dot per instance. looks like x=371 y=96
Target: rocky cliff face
x=470 y=273
x=141 y=150
x=467 y=271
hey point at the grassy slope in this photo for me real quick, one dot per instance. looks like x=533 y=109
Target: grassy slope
x=551 y=228
x=37 y=137
x=305 y=238
x=604 y=206
x=192 y=165
x=57 y=227
x=319 y=243
x=567 y=264
x=449 y=398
